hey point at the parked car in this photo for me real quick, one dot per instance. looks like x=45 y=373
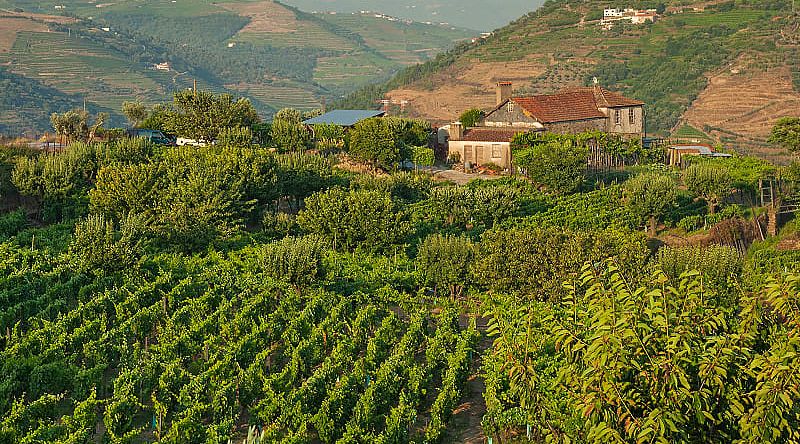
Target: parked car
x=154 y=136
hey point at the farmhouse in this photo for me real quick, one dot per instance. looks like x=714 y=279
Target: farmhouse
x=613 y=16
x=573 y=110
x=482 y=145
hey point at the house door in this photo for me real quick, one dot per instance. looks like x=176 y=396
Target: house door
x=469 y=154
x=479 y=154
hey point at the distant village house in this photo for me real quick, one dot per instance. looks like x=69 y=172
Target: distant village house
x=613 y=16
x=573 y=110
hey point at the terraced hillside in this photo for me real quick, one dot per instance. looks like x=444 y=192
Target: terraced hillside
x=730 y=69
x=274 y=54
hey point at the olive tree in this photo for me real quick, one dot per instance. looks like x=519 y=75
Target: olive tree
x=373 y=141
x=650 y=196
x=356 y=219
x=786 y=133
x=201 y=115
x=135 y=112
x=444 y=263
x=711 y=182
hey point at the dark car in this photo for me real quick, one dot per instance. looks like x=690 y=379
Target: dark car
x=154 y=136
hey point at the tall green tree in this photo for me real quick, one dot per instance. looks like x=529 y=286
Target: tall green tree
x=201 y=115
x=444 y=263
x=786 y=133
x=471 y=117
x=373 y=141
x=135 y=112
x=650 y=196
x=558 y=164
x=709 y=181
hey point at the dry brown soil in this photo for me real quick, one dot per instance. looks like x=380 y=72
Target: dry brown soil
x=459 y=89
x=10 y=26
x=743 y=104
x=266 y=17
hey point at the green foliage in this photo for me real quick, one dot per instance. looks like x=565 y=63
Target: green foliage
x=786 y=133
x=300 y=175
x=328 y=137
x=12 y=223
x=471 y=117
x=772 y=417
x=710 y=181
x=720 y=266
x=405 y=185
x=599 y=209
x=241 y=137
x=422 y=156
x=297 y=261
x=98 y=245
x=374 y=141
x=201 y=115
x=287 y=131
x=135 y=112
x=650 y=196
x=535 y=262
x=74 y=125
x=59 y=181
x=557 y=163
x=445 y=262
x=469 y=207
x=683 y=389
x=356 y=219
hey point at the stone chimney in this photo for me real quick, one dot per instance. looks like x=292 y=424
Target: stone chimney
x=456 y=131
x=504 y=92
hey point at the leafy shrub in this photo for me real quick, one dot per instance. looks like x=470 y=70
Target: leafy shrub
x=721 y=266
x=297 y=261
x=279 y=225
x=691 y=223
x=12 y=223
x=404 y=185
x=97 y=245
x=356 y=219
x=464 y=206
x=444 y=263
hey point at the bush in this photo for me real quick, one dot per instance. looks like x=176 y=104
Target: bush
x=12 y=223
x=444 y=263
x=96 y=244
x=297 y=261
x=721 y=266
x=356 y=219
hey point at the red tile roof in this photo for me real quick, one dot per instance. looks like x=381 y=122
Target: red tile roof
x=573 y=104
x=487 y=134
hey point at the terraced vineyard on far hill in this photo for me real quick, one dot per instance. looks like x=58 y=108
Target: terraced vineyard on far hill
x=276 y=55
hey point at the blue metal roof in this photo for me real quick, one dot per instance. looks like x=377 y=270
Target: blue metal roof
x=344 y=117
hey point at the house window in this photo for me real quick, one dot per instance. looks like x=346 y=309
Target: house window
x=497 y=151
x=617 y=117
x=510 y=106
x=632 y=116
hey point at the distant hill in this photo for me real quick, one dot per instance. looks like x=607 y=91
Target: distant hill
x=475 y=14
x=275 y=54
x=720 y=69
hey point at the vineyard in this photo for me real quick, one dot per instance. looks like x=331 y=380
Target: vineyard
x=245 y=293
x=196 y=350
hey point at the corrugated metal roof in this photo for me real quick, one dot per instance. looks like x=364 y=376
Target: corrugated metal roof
x=344 y=117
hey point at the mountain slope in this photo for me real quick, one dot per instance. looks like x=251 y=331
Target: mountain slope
x=273 y=53
x=667 y=64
